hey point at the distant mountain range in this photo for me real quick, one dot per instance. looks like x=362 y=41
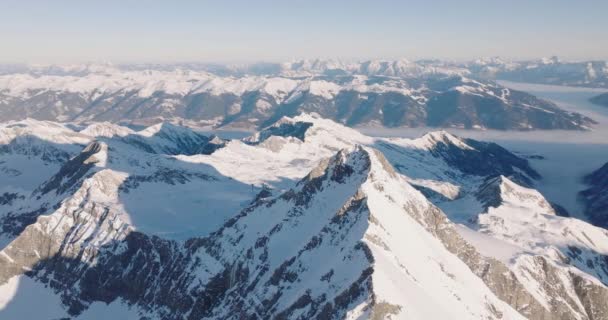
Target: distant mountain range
x=551 y=71
x=591 y=73
x=372 y=93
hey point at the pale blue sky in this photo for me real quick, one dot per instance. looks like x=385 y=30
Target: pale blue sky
x=60 y=31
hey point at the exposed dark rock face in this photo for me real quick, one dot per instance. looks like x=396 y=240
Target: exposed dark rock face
x=391 y=109
x=144 y=263
x=30 y=146
x=596 y=196
x=560 y=210
x=601 y=99
x=214 y=143
x=12 y=224
x=483 y=159
x=285 y=129
x=431 y=194
x=8 y=198
x=163 y=175
x=489 y=193
x=495 y=190
x=496 y=160
x=66 y=181
x=174 y=140
x=73 y=171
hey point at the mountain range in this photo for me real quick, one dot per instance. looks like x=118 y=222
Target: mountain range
x=551 y=71
x=304 y=219
x=373 y=93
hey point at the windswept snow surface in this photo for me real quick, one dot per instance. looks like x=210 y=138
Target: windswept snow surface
x=23 y=298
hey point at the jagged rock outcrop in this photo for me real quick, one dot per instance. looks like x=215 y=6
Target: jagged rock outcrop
x=74 y=170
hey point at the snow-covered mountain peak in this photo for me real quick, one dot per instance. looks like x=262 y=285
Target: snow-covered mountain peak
x=169 y=138
x=344 y=162
x=74 y=69
x=550 y=60
x=106 y=129
x=354 y=214
x=216 y=140
x=44 y=130
x=489 y=61
x=311 y=129
x=432 y=139
x=166 y=128
x=502 y=191
x=373 y=170
x=323 y=88
x=397 y=213
x=322 y=127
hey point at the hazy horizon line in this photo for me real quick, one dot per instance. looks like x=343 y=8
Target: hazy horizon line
x=121 y=62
